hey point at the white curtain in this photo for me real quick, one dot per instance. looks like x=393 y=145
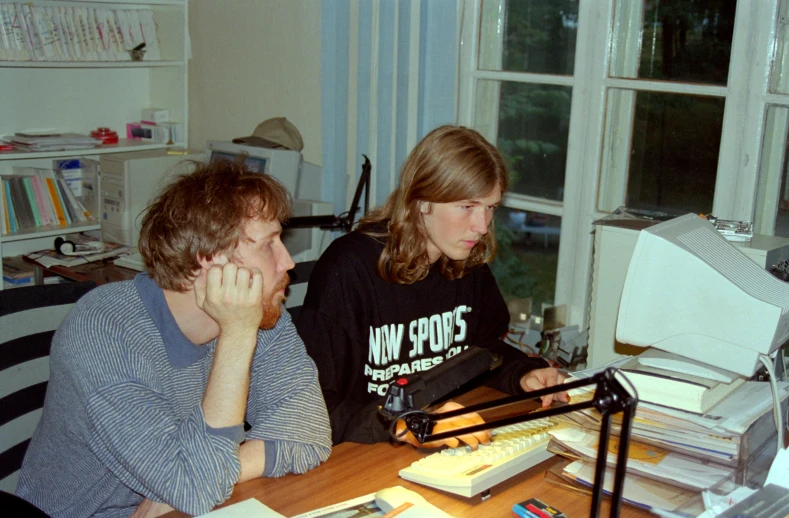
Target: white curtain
x=389 y=76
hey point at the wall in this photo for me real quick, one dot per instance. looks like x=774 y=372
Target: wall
x=253 y=60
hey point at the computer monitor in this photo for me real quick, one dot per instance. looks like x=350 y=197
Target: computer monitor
x=282 y=164
x=690 y=292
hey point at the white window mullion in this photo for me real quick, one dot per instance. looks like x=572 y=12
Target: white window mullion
x=486 y=102
x=469 y=41
x=743 y=119
x=583 y=158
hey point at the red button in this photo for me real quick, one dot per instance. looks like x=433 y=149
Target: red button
x=402 y=382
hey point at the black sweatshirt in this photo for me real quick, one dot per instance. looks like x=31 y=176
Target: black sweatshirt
x=363 y=332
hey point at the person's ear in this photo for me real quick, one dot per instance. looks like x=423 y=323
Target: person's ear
x=424 y=207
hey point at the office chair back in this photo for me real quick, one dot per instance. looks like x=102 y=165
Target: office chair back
x=28 y=319
x=299 y=277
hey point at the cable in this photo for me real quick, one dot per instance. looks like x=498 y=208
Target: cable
x=776 y=401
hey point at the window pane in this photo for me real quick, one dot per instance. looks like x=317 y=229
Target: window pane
x=678 y=41
x=525 y=266
x=533 y=123
x=671 y=155
x=529 y=36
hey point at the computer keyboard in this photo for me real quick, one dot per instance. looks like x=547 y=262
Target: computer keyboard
x=463 y=471
x=132 y=261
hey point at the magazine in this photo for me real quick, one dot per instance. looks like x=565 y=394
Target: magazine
x=388 y=502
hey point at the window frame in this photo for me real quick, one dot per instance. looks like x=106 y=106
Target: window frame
x=746 y=96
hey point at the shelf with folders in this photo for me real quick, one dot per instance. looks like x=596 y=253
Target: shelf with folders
x=40 y=201
x=72 y=96
x=91 y=32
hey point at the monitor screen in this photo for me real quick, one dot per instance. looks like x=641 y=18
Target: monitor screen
x=691 y=292
x=256 y=164
x=282 y=164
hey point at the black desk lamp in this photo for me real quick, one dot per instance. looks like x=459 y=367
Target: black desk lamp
x=610 y=397
x=345 y=220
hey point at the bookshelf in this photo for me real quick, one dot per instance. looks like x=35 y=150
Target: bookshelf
x=80 y=96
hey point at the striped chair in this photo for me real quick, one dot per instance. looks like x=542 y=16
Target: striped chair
x=28 y=319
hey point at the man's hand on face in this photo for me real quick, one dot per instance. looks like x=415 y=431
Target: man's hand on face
x=462 y=421
x=231 y=295
x=544 y=378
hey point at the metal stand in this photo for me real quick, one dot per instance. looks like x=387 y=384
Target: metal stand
x=610 y=397
x=345 y=220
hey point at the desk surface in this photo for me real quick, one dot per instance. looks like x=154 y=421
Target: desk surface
x=101 y=272
x=355 y=470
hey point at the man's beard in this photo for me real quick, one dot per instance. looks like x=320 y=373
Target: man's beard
x=272 y=304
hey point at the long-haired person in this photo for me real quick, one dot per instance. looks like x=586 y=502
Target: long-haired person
x=410 y=288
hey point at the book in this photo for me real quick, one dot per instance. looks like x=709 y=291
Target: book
x=27 y=184
x=75 y=208
x=21 y=204
x=7 y=227
x=677 y=390
x=17 y=271
x=9 y=207
x=244 y=509
x=391 y=501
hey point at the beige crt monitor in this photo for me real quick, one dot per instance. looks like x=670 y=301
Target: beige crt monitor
x=129 y=182
x=691 y=292
x=614 y=242
x=282 y=164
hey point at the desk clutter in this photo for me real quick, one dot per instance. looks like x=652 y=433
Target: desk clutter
x=674 y=455
x=391 y=501
x=74 y=33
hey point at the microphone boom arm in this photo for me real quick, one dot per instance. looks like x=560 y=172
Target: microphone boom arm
x=610 y=397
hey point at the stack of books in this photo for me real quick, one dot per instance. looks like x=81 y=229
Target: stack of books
x=17 y=272
x=674 y=453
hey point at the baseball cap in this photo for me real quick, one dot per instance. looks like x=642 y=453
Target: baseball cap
x=278 y=132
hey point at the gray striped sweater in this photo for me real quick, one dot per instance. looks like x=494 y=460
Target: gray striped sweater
x=123 y=420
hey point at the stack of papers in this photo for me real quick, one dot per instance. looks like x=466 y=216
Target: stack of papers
x=676 y=454
x=716 y=436
x=51 y=142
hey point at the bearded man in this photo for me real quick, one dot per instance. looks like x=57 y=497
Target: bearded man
x=152 y=379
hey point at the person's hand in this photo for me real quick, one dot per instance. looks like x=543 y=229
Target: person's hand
x=544 y=378
x=150 y=509
x=461 y=421
x=231 y=295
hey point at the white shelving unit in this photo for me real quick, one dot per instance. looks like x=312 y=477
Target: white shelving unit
x=82 y=96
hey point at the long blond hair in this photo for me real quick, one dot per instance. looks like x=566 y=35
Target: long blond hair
x=451 y=163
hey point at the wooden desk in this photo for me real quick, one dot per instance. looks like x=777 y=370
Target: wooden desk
x=101 y=272
x=355 y=470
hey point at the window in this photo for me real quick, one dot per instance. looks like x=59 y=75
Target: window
x=680 y=106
